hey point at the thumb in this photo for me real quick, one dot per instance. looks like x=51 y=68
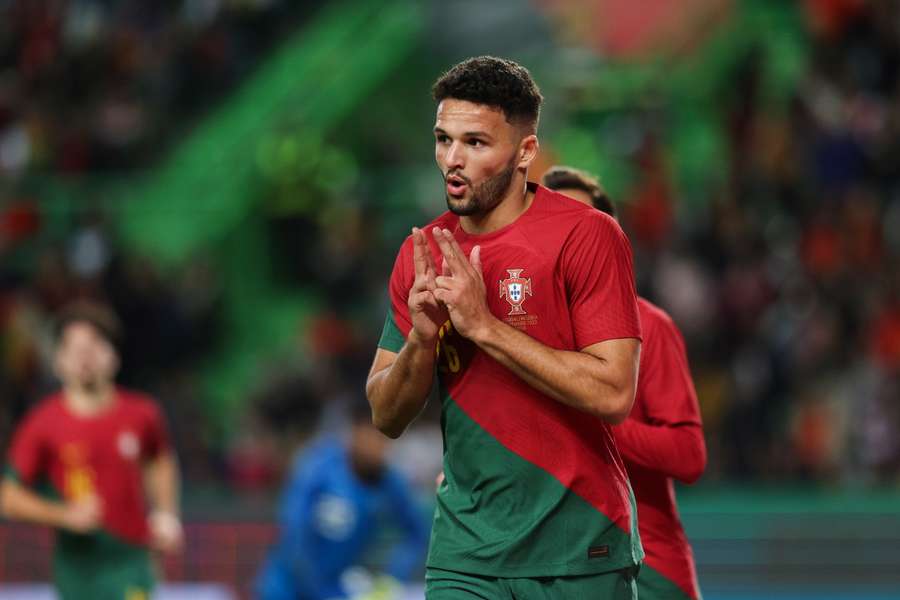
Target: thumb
x=475 y=258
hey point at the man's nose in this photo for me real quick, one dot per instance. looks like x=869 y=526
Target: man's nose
x=455 y=157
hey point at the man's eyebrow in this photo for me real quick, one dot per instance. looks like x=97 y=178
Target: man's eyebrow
x=481 y=134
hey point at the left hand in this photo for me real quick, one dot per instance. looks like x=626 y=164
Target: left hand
x=461 y=286
x=166 y=533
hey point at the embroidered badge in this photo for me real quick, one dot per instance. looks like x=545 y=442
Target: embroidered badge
x=515 y=289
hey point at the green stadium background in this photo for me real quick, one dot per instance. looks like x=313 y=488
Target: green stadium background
x=235 y=178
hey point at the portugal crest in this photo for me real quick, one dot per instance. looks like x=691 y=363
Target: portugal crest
x=515 y=288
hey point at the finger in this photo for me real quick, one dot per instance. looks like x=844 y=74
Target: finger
x=457 y=251
x=475 y=259
x=443 y=296
x=420 y=263
x=422 y=258
x=445 y=268
x=426 y=250
x=422 y=299
x=431 y=301
x=452 y=259
x=444 y=282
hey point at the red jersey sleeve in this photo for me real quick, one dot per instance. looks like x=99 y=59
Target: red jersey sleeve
x=600 y=281
x=669 y=439
x=398 y=324
x=29 y=451
x=155 y=434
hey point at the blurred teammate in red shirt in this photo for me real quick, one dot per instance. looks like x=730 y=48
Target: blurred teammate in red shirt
x=84 y=460
x=662 y=439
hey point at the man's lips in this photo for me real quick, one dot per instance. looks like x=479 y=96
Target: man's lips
x=456 y=185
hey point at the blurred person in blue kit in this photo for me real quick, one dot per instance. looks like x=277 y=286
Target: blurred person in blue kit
x=339 y=492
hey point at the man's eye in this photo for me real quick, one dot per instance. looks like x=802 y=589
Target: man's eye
x=476 y=143
x=442 y=139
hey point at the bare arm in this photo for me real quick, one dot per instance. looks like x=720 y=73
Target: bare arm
x=599 y=379
x=19 y=503
x=398 y=384
x=161 y=482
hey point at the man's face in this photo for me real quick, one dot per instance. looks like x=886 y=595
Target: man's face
x=477 y=151
x=576 y=194
x=85 y=358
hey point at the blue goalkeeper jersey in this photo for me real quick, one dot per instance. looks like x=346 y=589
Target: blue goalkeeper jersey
x=327 y=519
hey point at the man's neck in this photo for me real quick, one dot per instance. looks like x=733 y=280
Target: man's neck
x=88 y=402
x=516 y=201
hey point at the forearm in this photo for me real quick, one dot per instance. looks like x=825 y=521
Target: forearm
x=21 y=504
x=675 y=451
x=577 y=379
x=162 y=483
x=398 y=392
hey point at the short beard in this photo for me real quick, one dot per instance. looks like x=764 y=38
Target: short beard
x=487 y=195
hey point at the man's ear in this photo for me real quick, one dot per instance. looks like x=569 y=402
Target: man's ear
x=528 y=151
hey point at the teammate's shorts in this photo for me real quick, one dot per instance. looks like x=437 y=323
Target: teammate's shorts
x=450 y=585
x=84 y=573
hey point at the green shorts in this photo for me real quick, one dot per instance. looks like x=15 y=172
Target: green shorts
x=92 y=569
x=449 y=585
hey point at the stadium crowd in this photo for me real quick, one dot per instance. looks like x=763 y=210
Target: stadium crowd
x=786 y=283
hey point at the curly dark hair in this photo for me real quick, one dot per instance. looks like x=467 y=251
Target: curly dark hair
x=495 y=82
x=560 y=178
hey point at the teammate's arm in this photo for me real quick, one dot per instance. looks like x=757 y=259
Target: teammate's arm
x=600 y=379
x=28 y=455
x=676 y=450
x=19 y=503
x=399 y=383
x=161 y=482
x=161 y=476
x=672 y=442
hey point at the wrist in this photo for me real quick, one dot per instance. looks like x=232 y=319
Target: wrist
x=417 y=341
x=484 y=332
x=164 y=521
x=164 y=513
x=57 y=514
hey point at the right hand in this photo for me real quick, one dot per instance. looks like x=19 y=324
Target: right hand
x=425 y=312
x=82 y=516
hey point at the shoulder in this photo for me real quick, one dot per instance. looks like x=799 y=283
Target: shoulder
x=138 y=402
x=46 y=412
x=573 y=217
x=655 y=321
x=320 y=455
x=651 y=314
x=559 y=204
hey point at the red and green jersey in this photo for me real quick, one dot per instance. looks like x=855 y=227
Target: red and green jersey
x=532 y=487
x=661 y=440
x=100 y=455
